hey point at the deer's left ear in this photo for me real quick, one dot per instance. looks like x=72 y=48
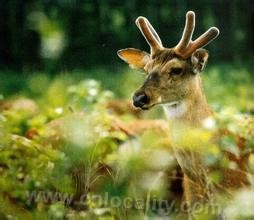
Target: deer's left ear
x=134 y=57
x=199 y=59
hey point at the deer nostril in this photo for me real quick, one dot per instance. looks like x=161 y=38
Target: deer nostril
x=140 y=100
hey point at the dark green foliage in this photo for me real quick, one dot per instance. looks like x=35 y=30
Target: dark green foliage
x=60 y=35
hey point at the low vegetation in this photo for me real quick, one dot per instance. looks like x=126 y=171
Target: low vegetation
x=73 y=147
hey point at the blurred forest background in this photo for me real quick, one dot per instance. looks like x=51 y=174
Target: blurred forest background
x=56 y=35
x=67 y=125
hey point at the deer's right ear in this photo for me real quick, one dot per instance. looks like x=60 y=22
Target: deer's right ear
x=136 y=59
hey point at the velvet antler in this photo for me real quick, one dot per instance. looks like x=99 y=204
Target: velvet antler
x=149 y=34
x=186 y=46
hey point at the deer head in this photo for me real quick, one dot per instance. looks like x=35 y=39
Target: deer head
x=172 y=73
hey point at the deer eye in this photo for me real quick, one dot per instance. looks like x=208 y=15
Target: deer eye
x=153 y=76
x=177 y=71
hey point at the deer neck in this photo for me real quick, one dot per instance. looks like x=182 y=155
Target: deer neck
x=190 y=111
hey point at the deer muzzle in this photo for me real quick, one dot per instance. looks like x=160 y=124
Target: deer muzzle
x=140 y=99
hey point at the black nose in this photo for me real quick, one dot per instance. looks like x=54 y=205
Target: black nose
x=140 y=99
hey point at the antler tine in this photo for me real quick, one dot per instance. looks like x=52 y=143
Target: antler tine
x=203 y=40
x=149 y=34
x=154 y=32
x=187 y=33
x=186 y=46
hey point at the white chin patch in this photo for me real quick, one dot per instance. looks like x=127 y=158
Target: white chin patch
x=174 y=109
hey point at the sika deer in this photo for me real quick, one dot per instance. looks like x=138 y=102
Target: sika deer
x=173 y=80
